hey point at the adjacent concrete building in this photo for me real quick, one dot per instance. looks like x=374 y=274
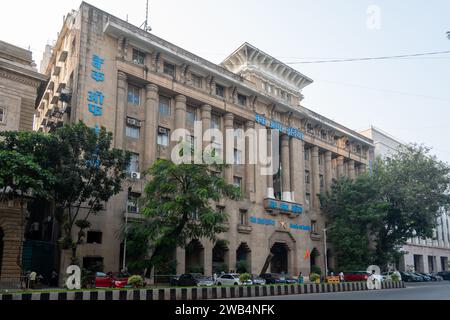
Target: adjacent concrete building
x=430 y=255
x=110 y=73
x=19 y=85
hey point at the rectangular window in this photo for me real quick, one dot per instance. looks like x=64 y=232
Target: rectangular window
x=138 y=57
x=2 y=115
x=215 y=122
x=237 y=181
x=220 y=90
x=242 y=100
x=94 y=237
x=322 y=181
x=134 y=95
x=308 y=201
x=191 y=115
x=243 y=221
x=133 y=203
x=197 y=81
x=134 y=163
x=237 y=157
x=133 y=132
x=169 y=69
x=163 y=137
x=313 y=226
x=306 y=154
x=307 y=177
x=164 y=106
x=320 y=160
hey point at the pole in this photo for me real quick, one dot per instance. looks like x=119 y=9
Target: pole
x=326 y=249
x=124 y=264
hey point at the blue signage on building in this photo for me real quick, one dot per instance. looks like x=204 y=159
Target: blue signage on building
x=96 y=98
x=272 y=124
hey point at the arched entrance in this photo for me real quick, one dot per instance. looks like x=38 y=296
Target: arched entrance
x=2 y=235
x=243 y=258
x=195 y=257
x=280 y=260
x=220 y=257
x=314 y=257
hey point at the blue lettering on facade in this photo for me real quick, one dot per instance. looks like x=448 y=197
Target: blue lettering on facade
x=292 y=132
x=96 y=98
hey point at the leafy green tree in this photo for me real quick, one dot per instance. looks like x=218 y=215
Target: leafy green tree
x=89 y=173
x=372 y=217
x=415 y=185
x=178 y=206
x=353 y=210
x=23 y=173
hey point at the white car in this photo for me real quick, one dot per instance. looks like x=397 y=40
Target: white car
x=228 y=279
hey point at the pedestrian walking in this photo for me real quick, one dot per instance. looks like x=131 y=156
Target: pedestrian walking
x=341 y=277
x=32 y=278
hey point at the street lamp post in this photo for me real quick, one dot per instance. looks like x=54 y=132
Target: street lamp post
x=326 y=249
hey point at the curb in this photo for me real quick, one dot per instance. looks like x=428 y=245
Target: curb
x=197 y=293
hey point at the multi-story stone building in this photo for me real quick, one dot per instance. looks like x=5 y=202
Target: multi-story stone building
x=110 y=73
x=19 y=85
x=421 y=255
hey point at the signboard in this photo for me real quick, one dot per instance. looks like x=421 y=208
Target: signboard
x=285 y=225
x=275 y=125
x=283 y=206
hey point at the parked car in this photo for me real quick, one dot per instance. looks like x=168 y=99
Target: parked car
x=444 y=274
x=273 y=278
x=289 y=279
x=257 y=280
x=110 y=280
x=355 y=276
x=205 y=282
x=228 y=279
x=429 y=275
x=437 y=277
x=409 y=277
x=424 y=278
x=174 y=280
x=185 y=280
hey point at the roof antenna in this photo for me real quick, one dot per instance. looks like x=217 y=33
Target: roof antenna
x=145 y=25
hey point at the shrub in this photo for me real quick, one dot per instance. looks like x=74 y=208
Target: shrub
x=313 y=277
x=395 y=277
x=242 y=266
x=245 y=277
x=195 y=269
x=87 y=279
x=136 y=281
x=316 y=269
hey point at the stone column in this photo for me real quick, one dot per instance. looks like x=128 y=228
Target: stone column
x=121 y=107
x=207 y=258
x=285 y=167
x=229 y=125
x=151 y=120
x=328 y=171
x=249 y=168
x=298 y=170
x=351 y=169
x=181 y=260
x=180 y=112
x=340 y=166
x=206 y=122
x=315 y=177
x=270 y=153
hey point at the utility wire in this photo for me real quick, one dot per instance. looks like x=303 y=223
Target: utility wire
x=371 y=58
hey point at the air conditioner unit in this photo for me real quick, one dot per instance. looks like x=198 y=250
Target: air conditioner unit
x=137 y=62
x=135 y=175
x=133 y=122
x=162 y=130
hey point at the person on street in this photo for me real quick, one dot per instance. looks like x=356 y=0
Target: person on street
x=32 y=278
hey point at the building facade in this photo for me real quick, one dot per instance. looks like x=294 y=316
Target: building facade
x=142 y=88
x=19 y=85
x=421 y=255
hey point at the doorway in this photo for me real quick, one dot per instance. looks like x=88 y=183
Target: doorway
x=279 y=263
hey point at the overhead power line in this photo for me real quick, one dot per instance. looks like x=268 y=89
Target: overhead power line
x=371 y=58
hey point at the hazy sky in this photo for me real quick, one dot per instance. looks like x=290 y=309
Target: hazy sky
x=409 y=98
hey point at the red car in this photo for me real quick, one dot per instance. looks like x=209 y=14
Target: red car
x=356 y=276
x=103 y=280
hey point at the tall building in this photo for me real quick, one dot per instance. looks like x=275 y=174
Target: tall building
x=421 y=255
x=19 y=86
x=110 y=73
